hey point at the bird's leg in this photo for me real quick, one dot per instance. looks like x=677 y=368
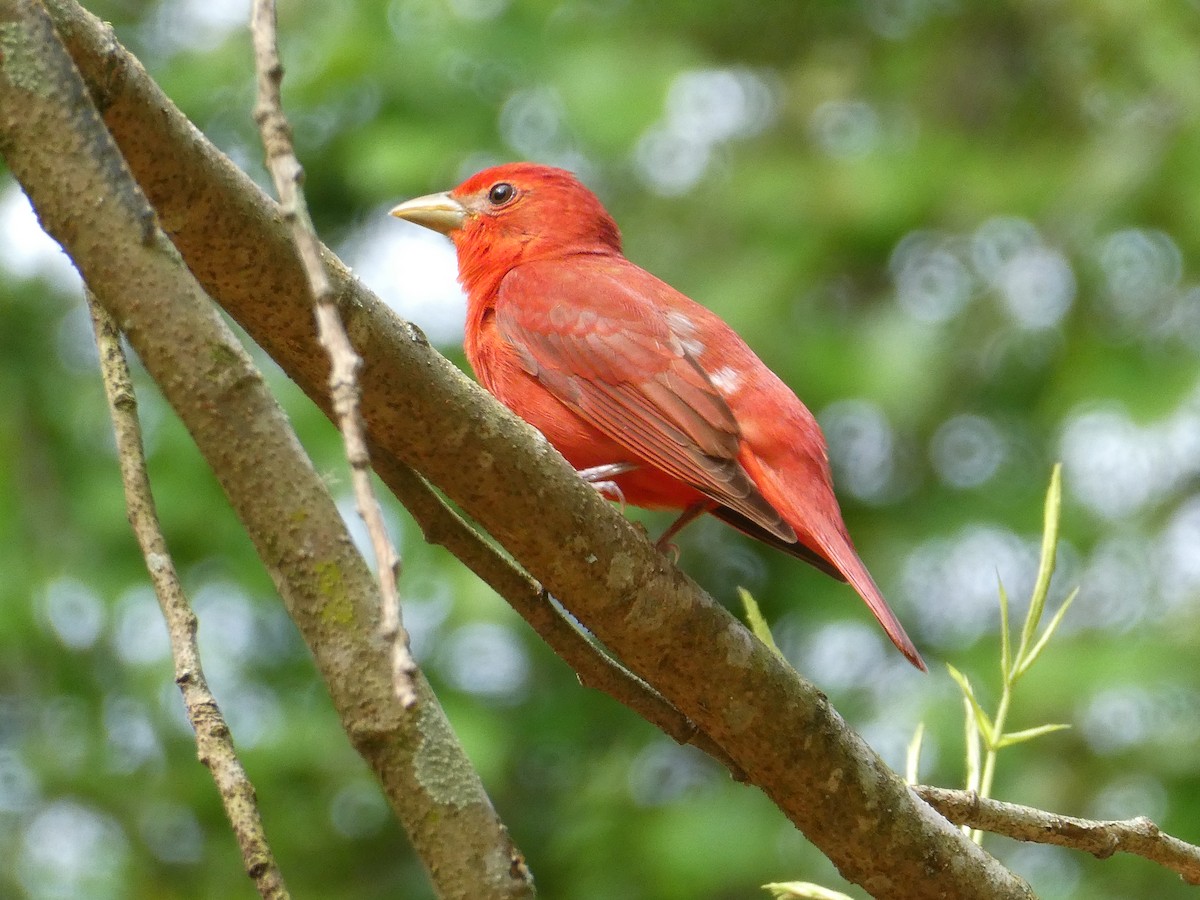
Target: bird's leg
x=664 y=545
x=600 y=477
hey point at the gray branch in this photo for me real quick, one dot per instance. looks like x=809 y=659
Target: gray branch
x=1102 y=839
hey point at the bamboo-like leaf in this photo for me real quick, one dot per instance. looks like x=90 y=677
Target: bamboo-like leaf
x=1036 y=650
x=1005 y=633
x=1019 y=737
x=912 y=761
x=756 y=622
x=1041 y=587
x=982 y=721
x=803 y=890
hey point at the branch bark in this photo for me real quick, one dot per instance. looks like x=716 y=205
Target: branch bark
x=441 y=525
x=1102 y=839
x=777 y=728
x=58 y=148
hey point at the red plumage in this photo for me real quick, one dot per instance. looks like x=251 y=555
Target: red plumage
x=613 y=365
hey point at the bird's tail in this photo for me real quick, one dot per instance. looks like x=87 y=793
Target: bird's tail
x=842 y=554
x=794 y=548
x=817 y=521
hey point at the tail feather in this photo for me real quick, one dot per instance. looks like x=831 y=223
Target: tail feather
x=798 y=550
x=817 y=521
x=846 y=559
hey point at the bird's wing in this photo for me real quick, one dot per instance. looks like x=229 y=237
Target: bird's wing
x=591 y=330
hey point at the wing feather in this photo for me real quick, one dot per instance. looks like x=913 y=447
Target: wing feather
x=594 y=337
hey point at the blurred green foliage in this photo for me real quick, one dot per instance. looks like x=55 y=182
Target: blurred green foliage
x=966 y=234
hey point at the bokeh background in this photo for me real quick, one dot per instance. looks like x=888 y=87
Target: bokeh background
x=966 y=233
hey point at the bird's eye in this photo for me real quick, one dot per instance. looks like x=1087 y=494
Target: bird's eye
x=501 y=193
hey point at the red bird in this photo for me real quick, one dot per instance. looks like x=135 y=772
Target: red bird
x=635 y=384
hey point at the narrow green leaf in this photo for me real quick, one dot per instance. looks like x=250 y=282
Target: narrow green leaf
x=803 y=890
x=1041 y=587
x=912 y=761
x=1019 y=737
x=1005 y=633
x=754 y=619
x=982 y=721
x=1036 y=650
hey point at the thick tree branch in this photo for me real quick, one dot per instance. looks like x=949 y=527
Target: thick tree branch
x=442 y=525
x=56 y=145
x=214 y=743
x=779 y=729
x=1102 y=839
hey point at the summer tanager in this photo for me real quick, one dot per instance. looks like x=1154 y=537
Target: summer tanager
x=637 y=386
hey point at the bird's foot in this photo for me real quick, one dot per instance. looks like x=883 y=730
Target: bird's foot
x=669 y=549
x=600 y=477
x=664 y=545
x=610 y=490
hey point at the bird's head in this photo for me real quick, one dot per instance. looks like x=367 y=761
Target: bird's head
x=513 y=213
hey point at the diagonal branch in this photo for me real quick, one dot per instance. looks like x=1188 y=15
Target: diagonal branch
x=1102 y=839
x=441 y=525
x=214 y=743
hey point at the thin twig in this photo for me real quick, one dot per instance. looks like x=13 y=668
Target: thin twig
x=344 y=362
x=213 y=740
x=1102 y=839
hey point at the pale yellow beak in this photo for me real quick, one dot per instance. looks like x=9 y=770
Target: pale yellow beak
x=441 y=212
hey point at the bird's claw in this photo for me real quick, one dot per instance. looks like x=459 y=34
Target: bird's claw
x=664 y=544
x=600 y=477
x=669 y=549
x=610 y=490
